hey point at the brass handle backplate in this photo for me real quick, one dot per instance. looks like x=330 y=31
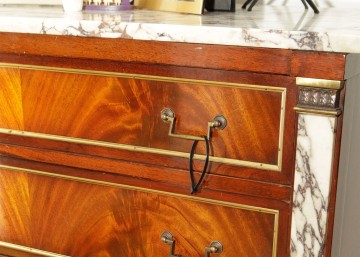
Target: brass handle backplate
x=215 y=247
x=168 y=116
x=168 y=238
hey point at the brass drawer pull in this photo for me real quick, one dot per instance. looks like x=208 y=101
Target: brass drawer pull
x=168 y=238
x=195 y=185
x=168 y=116
x=219 y=122
x=215 y=247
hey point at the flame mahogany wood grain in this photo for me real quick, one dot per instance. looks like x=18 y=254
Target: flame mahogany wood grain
x=82 y=219
x=269 y=67
x=282 y=206
x=11 y=99
x=209 y=193
x=127 y=111
x=149 y=172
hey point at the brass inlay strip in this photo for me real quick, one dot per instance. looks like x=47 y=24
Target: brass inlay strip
x=250 y=164
x=139 y=189
x=281 y=129
x=139 y=76
x=317 y=111
x=319 y=83
x=30 y=250
x=146 y=190
x=138 y=149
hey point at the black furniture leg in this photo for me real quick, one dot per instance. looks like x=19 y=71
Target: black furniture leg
x=253 y=2
x=246 y=3
x=305 y=5
x=252 y=5
x=313 y=6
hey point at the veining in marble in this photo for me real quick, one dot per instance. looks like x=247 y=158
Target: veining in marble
x=314 y=154
x=287 y=27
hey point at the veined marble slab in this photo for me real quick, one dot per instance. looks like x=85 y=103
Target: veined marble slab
x=314 y=155
x=335 y=29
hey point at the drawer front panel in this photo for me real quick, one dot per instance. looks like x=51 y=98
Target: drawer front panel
x=124 y=112
x=75 y=218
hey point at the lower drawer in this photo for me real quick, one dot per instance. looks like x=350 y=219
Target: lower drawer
x=83 y=218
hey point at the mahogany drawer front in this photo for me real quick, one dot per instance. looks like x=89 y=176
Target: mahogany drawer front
x=77 y=218
x=121 y=111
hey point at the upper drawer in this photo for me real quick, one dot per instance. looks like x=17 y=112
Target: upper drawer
x=123 y=111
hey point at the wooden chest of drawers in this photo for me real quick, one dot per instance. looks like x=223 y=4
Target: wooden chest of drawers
x=90 y=168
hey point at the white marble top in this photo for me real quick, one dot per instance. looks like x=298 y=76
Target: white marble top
x=335 y=29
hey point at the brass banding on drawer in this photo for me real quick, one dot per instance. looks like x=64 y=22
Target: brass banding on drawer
x=121 y=111
x=132 y=218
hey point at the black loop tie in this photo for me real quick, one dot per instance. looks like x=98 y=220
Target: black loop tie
x=195 y=186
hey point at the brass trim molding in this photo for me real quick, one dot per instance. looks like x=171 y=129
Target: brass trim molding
x=139 y=149
x=146 y=190
x=319 y=83
x=26 y=249
x=140 y=189
x=264 y=166
x=318 y=111
x=139 y=76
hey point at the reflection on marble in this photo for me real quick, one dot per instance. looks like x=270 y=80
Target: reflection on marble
x=314 y=155
x=289 y=26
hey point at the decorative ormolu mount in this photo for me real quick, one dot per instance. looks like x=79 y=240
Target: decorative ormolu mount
x=319 y=96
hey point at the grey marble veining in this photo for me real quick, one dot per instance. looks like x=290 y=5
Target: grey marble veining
x=288 y=27
x=313 y=171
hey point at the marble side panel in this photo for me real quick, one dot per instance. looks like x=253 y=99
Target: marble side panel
x=314 y=155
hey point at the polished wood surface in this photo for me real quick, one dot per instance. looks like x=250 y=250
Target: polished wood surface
x=82 y=219
x=11 y=99
x=143 y=51
x=179 y=177
x=318 y=65
x=260 y=60
x=334 y=177
x=127 y=111
x=190 y=73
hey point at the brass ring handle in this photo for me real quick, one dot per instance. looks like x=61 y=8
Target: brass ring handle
x=215 y=247
x=168 y=238
x=168 y=116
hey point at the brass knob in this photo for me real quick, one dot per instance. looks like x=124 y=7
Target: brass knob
x=168 y=239
x=215 y=247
